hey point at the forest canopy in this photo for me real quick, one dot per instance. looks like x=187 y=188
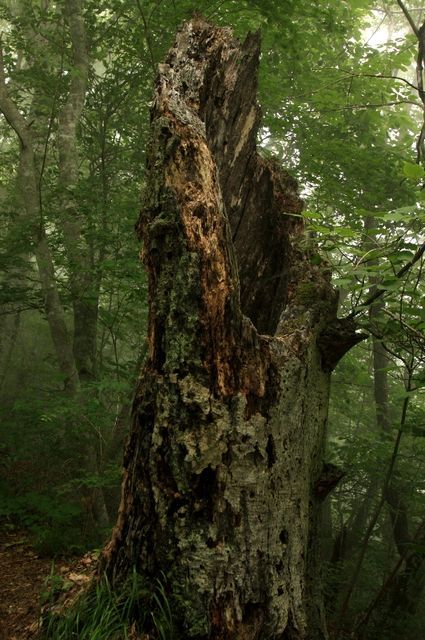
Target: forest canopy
x=342 y=98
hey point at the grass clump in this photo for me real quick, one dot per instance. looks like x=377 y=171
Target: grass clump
x=106 y=613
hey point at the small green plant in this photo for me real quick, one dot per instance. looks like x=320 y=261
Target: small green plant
x=162 y=617
x=104 y=613
x=54 y=586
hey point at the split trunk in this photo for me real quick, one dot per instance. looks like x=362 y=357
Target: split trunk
x=223 y=468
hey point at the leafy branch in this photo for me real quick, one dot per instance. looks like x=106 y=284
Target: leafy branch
x=379 y=293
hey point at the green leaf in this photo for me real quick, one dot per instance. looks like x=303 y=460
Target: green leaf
x=391 y=284
x=346 y=232
x=320 y=228
x=313 y=215
x=342 y=282
x=413 y=171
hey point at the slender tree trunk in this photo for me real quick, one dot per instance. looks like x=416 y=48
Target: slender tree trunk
x=226 y=448
x=53 y=307
x=83 y=279
x=84 y=283
x=9 y=330
x=359 y=534
x=404 y=591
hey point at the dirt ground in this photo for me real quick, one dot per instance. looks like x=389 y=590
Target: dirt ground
x=24 y=577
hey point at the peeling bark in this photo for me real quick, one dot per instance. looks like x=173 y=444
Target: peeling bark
x=225 y=451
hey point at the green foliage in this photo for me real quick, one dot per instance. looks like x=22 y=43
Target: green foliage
x=106 y=613
x=414 y=171
x=357 y=445
x=53 y=524
x=45 y=482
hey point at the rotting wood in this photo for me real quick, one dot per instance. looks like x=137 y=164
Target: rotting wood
x=226 y=447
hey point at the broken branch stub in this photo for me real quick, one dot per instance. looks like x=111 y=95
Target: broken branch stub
x=229 y=418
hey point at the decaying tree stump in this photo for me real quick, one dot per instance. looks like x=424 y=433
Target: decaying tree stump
x=226 y=446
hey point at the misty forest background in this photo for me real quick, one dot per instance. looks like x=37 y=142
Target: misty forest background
x=343 y=110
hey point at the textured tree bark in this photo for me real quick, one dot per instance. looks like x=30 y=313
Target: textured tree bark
x=226 y=448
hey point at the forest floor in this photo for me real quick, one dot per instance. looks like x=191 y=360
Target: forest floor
x=24 y=583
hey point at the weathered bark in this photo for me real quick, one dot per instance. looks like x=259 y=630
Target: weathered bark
x=226 y=446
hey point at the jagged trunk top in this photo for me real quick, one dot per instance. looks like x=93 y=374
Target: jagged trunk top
x=208 y=85
x=237 y=209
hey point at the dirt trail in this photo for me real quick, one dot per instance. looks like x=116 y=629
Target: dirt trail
x=22 y=576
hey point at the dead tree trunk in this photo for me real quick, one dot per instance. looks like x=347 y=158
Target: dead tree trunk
x=222 y=470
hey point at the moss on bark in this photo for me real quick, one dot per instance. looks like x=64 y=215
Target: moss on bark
x=229 y=417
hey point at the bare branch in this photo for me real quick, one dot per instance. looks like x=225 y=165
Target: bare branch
x=376 y=514
x=409 y=18
x=147 y=35
x=385 y=77
x=353 y=107
x=365 y=619
x=420 y=34
x=417 y=334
